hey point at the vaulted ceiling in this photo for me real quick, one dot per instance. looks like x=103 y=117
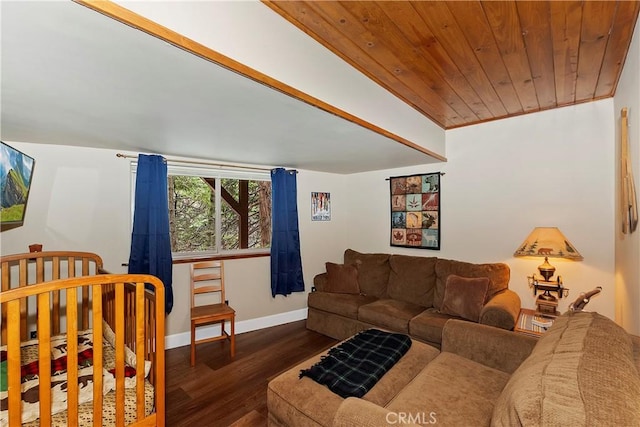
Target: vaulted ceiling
x=466 y=62
x=71 y=76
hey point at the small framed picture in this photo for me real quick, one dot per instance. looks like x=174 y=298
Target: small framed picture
x=320 y=206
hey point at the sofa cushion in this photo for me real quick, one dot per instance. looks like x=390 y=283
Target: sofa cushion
x=320 y=282
x=498 y=273
x=333 y=325
x=373 y=271
x=412 y=279
x=581 y=372
x=428 y=325
x=389 y=313
x=342 y=278
x=402 y=373
x=452 y=391
x=343 y=304
x=464 y=297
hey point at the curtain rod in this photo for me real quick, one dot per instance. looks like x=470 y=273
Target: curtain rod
x=194 y=162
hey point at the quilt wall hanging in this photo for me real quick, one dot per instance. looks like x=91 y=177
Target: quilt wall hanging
x=415 y=211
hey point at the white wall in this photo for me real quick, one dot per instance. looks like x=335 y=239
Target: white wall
x=80 y=200
x=504 y=178
x=254 y=35
x=628 y=246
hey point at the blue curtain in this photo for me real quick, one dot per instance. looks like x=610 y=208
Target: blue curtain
x=150 y=240
x=286 y=264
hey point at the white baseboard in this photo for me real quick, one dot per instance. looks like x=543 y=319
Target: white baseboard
x=184 y=338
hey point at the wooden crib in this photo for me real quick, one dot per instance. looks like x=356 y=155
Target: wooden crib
x=50 y=298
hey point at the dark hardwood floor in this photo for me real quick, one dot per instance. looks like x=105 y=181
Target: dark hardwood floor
x=220 y=391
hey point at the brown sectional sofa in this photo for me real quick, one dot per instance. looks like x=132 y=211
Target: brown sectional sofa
x=406 y=294
x=584 y=371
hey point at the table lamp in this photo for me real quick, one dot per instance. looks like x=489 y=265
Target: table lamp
x=547 y=242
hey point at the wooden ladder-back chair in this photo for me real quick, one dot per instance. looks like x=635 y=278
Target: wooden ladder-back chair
x=207 y=279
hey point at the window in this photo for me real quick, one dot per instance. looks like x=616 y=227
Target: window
x=215 y=211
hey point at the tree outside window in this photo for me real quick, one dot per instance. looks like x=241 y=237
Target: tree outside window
x=243 y=220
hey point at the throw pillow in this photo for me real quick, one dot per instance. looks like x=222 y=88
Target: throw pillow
x=342 y=278
x=464 y=296
x=373 y=272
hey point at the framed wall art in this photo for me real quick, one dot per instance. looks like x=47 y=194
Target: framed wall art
x=415 y=211
x=320 y=206
x=16 y=171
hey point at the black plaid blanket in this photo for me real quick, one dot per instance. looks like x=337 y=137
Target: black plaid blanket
x=356 y=365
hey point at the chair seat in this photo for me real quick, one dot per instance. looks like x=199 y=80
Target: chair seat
x=211 y=311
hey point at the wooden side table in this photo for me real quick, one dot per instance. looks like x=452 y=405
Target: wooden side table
x=525 y=324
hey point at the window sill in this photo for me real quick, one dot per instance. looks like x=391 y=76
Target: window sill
x=185 y=259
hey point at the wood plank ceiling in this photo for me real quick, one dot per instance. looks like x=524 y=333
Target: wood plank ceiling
x=466 y=62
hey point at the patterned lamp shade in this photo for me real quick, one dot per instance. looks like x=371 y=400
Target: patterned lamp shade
x=547 y=242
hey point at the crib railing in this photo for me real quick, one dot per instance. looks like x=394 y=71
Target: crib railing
x=135 y=306
x=30 y=268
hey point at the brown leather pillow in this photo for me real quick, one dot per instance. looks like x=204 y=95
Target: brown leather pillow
x=464 y=296
x=342 y=278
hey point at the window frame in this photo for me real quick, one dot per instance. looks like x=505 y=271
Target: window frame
x=218 y=173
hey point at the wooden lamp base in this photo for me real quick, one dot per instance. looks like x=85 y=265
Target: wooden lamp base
x=546 y=306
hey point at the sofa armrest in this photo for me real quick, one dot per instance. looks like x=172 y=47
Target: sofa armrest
x=320 y=281
x=490 y=346
x=502 y=310
x=354 y=412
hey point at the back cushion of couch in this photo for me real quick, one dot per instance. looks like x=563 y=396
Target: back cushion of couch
x=498 y=274
x=412 y=279
x=580 y=373
x=373 y=272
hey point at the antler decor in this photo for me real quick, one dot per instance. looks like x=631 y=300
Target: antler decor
x=583 y=299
